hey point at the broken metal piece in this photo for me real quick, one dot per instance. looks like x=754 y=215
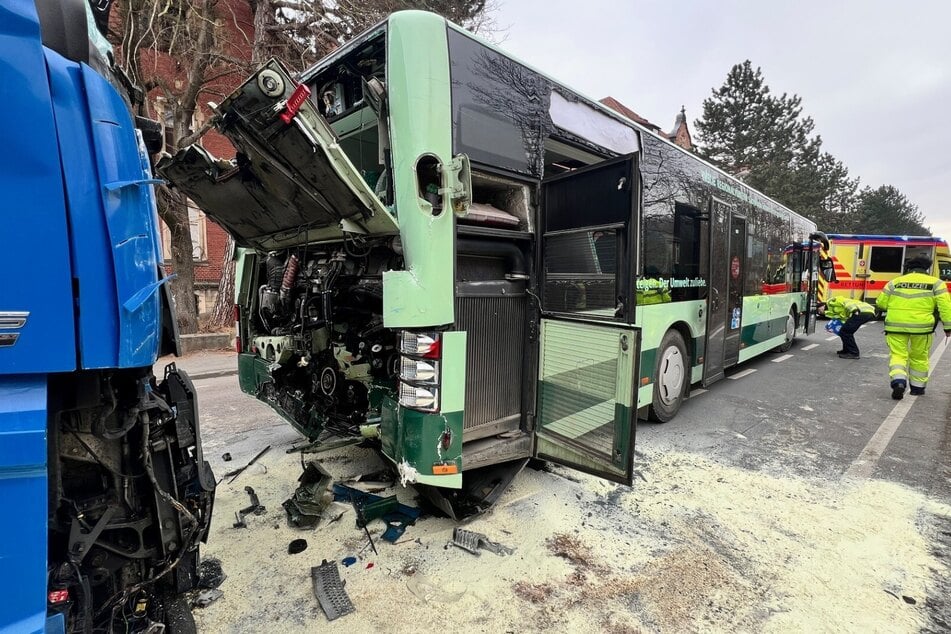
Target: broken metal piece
x=306 y=506
x=234 y=474
x=328 y=588
x=471 y=541
x=361 y=521
x=320 y=446
x=256 y=507
x=207 y=597
x=370 y=507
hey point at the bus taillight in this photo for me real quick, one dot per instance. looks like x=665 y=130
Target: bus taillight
x=420 y=355
x=237 y=328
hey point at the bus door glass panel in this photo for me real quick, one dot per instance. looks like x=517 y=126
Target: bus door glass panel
x=589 y=351
x=811 y=268
x=736 y=266
x=718 y=298
x=686 y=254
x=885 y=263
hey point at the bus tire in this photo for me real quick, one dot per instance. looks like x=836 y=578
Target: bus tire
x=670 y=377
x=790 y=333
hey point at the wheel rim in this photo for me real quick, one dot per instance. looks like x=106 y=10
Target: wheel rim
x=670 y=376
x=790 y=327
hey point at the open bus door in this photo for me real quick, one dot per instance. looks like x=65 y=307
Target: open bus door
x=819 y=264
x=726 y=269
x=589 y=350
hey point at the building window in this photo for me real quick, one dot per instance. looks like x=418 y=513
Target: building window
x=198 y=230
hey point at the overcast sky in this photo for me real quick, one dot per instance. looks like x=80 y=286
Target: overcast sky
x=874 y=75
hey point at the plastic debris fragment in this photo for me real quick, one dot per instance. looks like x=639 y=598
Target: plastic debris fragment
x=472 y=542
x=328 y=588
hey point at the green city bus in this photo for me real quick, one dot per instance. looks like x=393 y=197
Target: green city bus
x=450 y=251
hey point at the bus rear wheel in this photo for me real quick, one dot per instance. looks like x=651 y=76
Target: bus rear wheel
x=670 y=377
x=790 y=332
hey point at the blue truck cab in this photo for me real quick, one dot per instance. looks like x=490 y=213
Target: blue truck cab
x=101 y=471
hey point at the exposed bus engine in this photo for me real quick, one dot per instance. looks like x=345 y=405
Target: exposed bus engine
x=317 y=320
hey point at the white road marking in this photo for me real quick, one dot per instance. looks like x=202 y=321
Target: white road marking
x=864 y=465
x=832 y=338
x=783 y=358
x=740 y=375
x=697 y=392
x=811 y=346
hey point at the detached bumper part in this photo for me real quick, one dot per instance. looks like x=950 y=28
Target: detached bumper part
x=328 y=588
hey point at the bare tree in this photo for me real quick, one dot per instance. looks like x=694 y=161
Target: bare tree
x=171 y=49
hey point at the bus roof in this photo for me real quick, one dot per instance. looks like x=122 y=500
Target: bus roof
x=870 y=237
x=416 y=15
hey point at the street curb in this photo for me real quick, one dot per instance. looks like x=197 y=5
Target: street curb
x=210 y=375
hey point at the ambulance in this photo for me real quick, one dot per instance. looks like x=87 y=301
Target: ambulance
x=864 y=264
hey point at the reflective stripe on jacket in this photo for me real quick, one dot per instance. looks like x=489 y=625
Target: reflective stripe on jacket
x=843 y=308
x=911 y=301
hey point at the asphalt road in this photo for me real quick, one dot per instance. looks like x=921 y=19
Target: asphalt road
x=810 y=413
x=805 y=414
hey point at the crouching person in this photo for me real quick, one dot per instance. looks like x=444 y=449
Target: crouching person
x=853 y=313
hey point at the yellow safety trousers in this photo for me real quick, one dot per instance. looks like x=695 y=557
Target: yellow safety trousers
x=909 y=357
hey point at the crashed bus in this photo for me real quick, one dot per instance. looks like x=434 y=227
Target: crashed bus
x=864 y=264
x=449 y=250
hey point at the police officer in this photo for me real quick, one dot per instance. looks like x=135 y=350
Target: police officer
x=911 y=301
x=853 y=313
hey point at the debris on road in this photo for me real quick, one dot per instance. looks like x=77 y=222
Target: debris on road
x=256 y=508
x=306 y=506
x=206 y=598
x=328 y=588
x=472 y=542
x=369 y=507
x=210 y=573
x=361 y=521
x=226 y=457
x=319 y=446
x=348 y=561
x=234 y=474
x=297 y=546
x=428 y=592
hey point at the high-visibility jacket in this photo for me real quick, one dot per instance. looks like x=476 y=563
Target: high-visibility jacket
x=843 y=307
x=911 y=301
x=652 y=291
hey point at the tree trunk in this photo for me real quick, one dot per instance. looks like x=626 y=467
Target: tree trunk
x=174 y=213
x=223 y=314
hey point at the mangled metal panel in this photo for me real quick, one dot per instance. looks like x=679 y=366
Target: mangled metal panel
x=291 y=182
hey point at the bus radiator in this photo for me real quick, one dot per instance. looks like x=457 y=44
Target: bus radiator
x=494 y=360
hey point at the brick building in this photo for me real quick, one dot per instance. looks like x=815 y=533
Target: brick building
x=680 y=134
x=233 y=37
